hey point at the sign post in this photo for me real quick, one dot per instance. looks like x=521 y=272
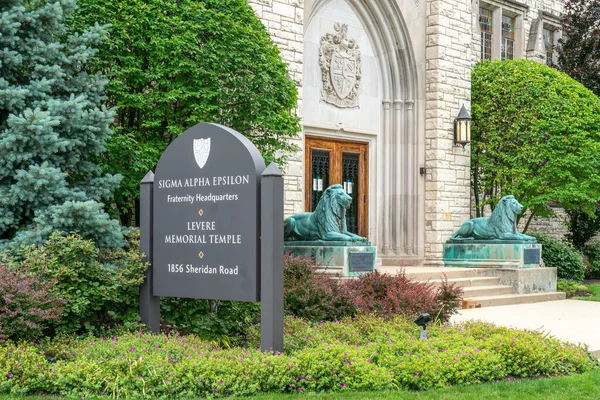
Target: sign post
x=149 y=304
x=271 y=307
x=203 y=231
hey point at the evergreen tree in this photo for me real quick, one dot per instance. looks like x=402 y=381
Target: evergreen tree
x=53 y=127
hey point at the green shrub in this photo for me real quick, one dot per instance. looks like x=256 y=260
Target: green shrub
x=571 y=288
x=591 y=251
x=536 y=135
x=223 y=322
x=563 y=256
x=100 y=287
x=367 y=353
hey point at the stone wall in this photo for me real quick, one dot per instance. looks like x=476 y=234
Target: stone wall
x=284 y=20
x=555 y=226
x=448 y=86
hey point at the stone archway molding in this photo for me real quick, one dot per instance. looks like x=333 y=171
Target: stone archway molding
x=399 y=209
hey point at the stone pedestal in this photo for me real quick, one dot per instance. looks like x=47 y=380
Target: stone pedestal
x=492 y=254
x=517 y=264
x=349 y=258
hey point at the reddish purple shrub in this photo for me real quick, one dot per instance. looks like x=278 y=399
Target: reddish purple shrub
x=313 y=296
x=27 y=304
x=318 y=297
x=449 y=298
x=389 y=295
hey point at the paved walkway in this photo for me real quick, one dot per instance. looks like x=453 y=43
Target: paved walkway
x=572 y=320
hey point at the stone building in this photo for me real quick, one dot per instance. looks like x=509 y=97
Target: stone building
x=380 y=84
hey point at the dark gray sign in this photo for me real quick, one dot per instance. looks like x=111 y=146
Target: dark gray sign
x=532 y=256
x=206 y=228
x=359 y=261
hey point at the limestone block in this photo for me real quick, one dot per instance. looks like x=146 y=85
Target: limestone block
x=437 y=206
x=258 y=9
x=269 y=16
x=284 y=9
x=292 y=27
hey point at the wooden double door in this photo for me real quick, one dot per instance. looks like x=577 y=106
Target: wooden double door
x=335 y=161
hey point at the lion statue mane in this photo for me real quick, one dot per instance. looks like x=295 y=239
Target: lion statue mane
x=501 y=225
x=327 y=222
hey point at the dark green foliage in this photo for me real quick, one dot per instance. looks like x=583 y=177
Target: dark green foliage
x=582 y=226
x=591 y=251
x=223 y=322
x=173 y=64
x=367 y=353
x=579 y=46
x=536 y=135
x=100 y=287
x=53 y=126
x=561 y=255
x=28 y=304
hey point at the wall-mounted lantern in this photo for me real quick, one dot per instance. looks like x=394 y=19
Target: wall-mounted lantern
x=462 y=128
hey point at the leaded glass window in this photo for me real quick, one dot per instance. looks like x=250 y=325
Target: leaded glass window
x=350 y=181
x=508 y=38
x=485 y=23
x=320 y=174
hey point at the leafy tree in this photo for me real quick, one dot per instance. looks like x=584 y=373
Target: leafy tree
x=53 y=126
x=536 y=134
x=173 y=64
x=579 y=48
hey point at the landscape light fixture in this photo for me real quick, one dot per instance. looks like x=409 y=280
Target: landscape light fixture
x=462 y=128
x=422 y=321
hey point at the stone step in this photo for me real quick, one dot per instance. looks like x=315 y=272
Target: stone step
x=486 y=291
x=484 y=264
x=508 y=299
x=429 y=273
x=469 y=282
x=595 y=353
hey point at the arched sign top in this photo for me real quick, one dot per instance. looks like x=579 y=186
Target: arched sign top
x=206 y=228
x=201 y=137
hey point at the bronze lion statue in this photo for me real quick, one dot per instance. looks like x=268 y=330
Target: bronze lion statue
x=327 y=222
x=501 y=225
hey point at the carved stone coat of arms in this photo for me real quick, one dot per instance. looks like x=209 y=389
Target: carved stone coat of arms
x=341 y=69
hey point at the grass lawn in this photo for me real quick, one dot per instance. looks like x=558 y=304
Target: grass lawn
x=595 y=289
x=577 y=387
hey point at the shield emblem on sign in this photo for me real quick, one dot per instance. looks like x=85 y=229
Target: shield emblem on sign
x=201 y=151
x=343 y=72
